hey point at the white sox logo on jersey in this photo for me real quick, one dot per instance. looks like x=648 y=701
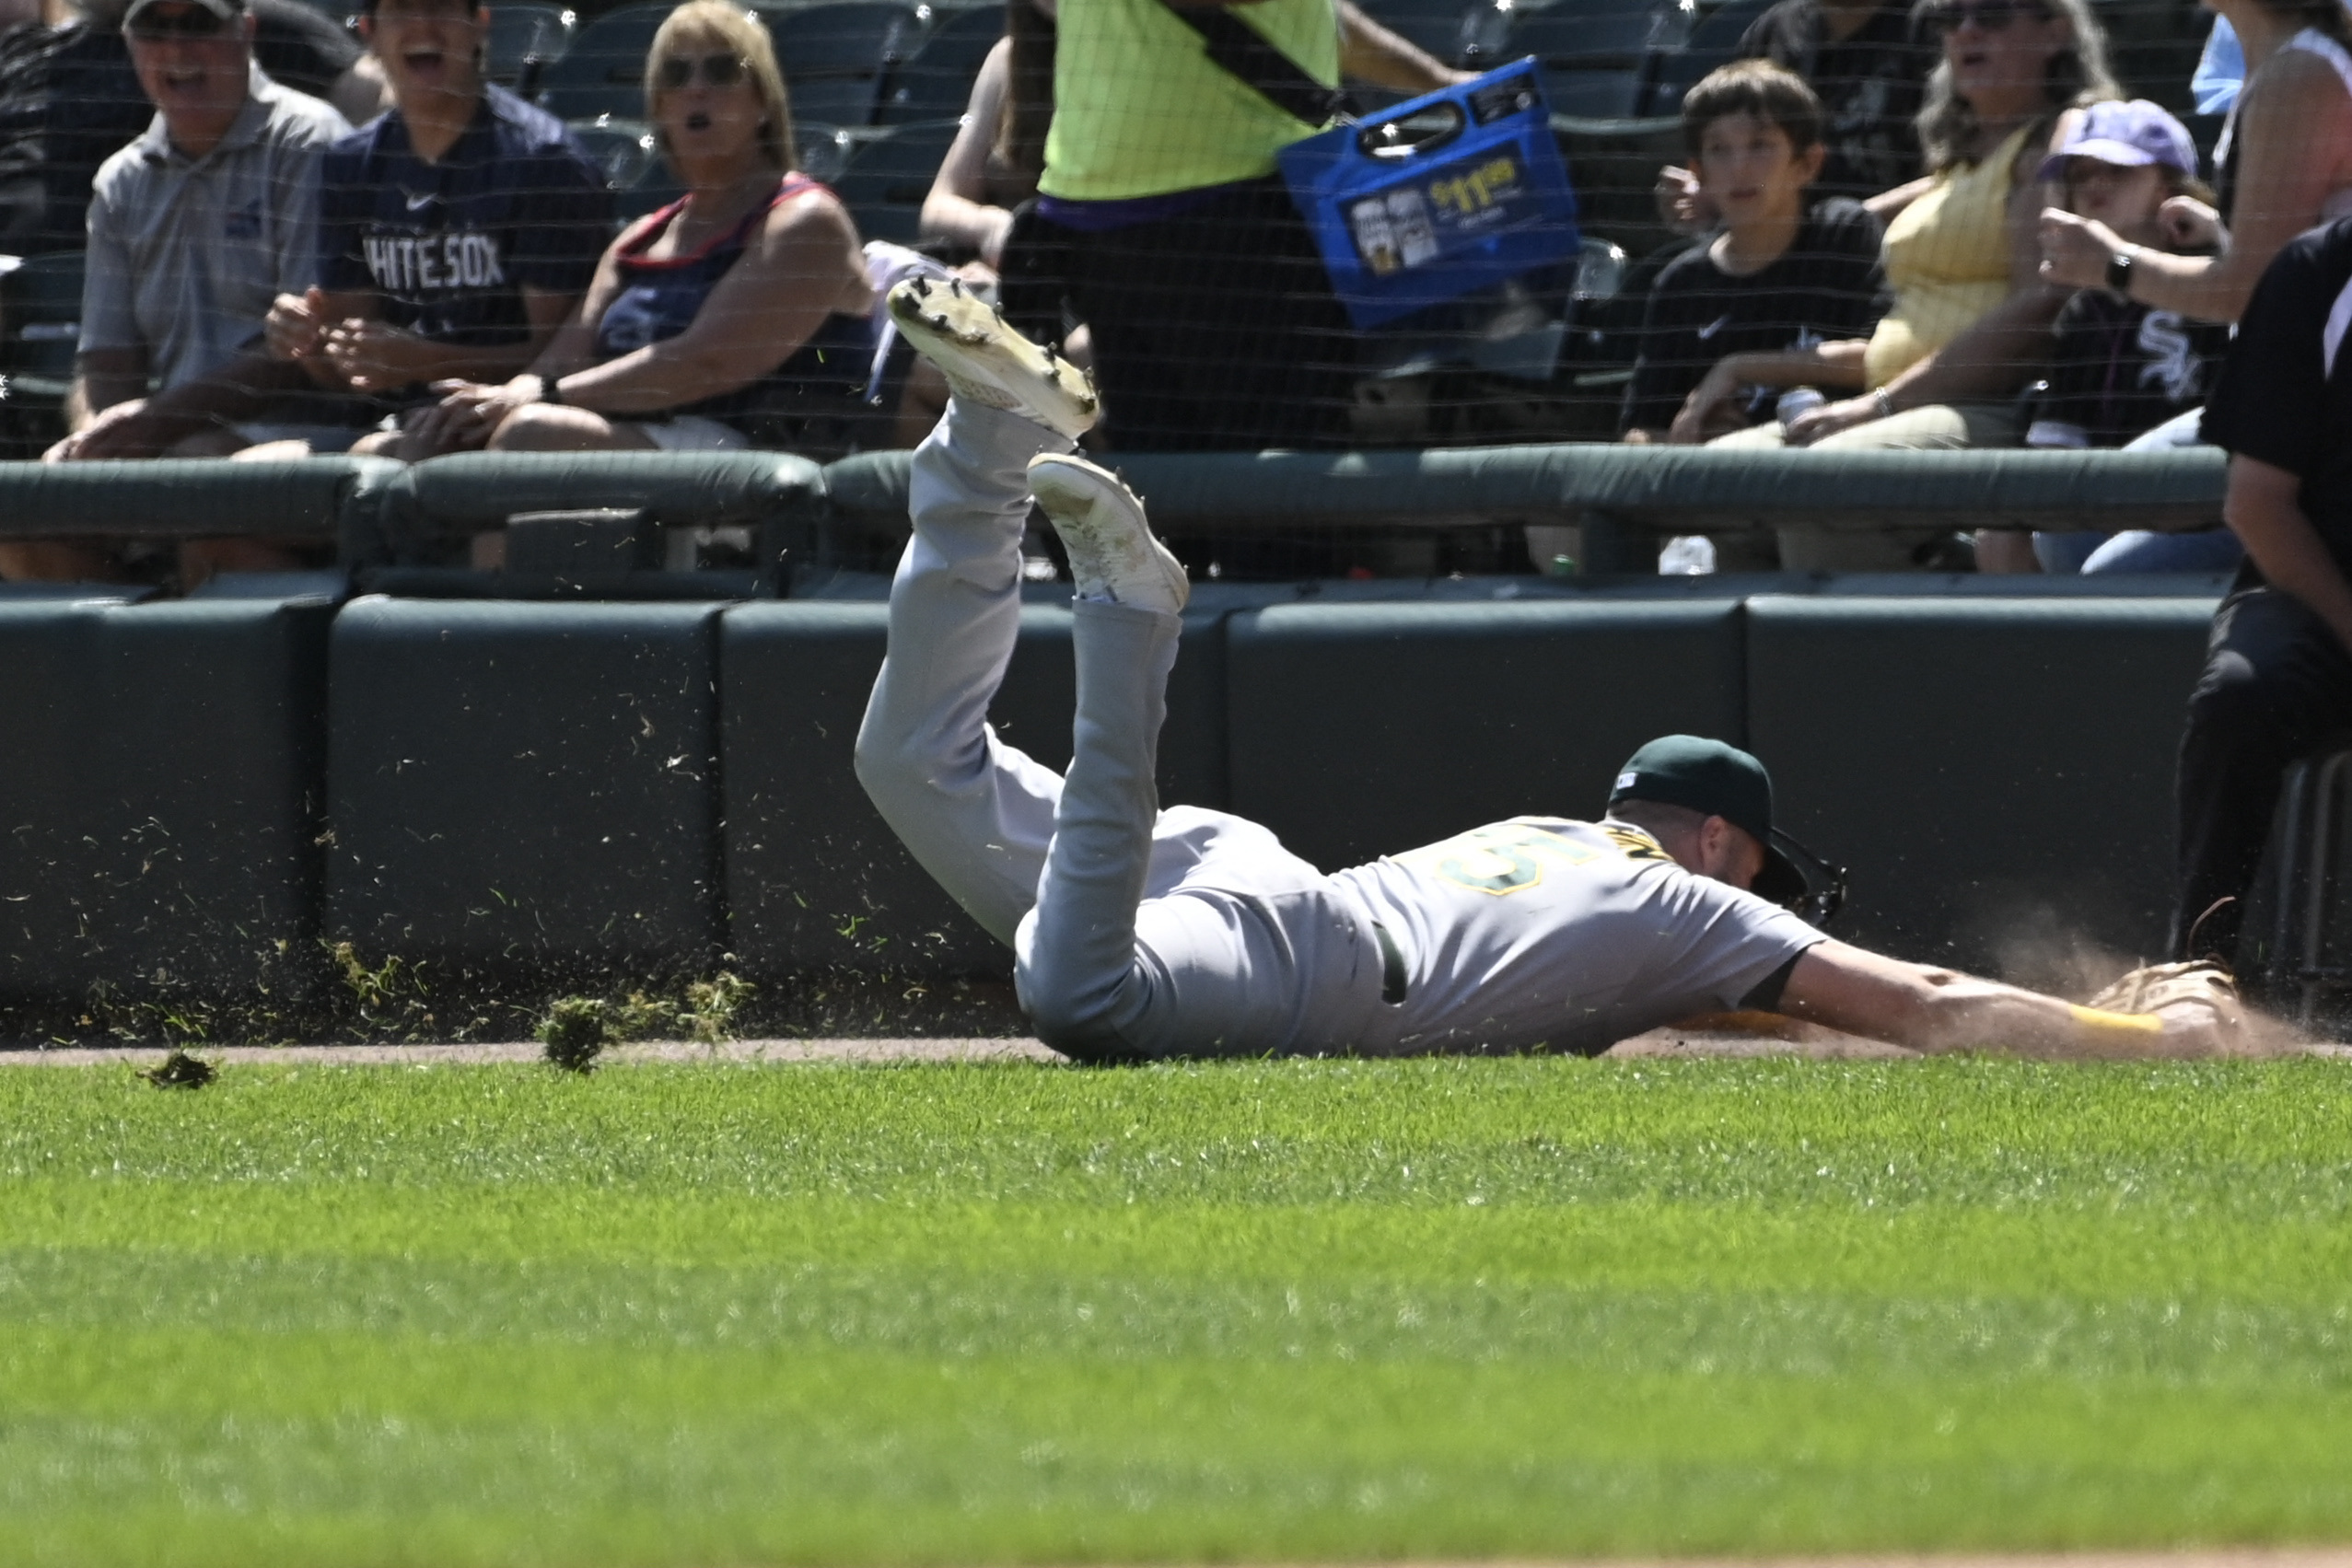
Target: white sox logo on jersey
x=1510 y=857
x=405 y=264
x=2171 y=356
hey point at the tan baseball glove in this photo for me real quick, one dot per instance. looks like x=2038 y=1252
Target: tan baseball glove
x=2199 y=1000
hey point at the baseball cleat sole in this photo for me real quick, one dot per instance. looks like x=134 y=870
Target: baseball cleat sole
x=1113 y=551
x=987 y=361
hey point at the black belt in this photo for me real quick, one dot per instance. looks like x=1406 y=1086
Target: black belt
x=1395 y=986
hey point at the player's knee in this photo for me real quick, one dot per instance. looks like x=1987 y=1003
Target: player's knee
x=1072 y=1017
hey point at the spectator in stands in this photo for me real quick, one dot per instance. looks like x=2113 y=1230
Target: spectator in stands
x=1783 y=276
x=1971 y=312
x=69 y=99
x=1868 y=61
x=194 y=228
x=2119 y=369
x=2278 y=680
x=2284 y=164
x=455 y=233
x=1213 y=320
x=740 y=308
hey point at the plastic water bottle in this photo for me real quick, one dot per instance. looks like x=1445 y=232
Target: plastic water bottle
x=1795 y=403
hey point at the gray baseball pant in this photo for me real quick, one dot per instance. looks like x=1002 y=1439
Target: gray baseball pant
x=1136 y=933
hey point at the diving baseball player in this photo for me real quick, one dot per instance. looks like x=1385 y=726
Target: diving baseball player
x=1139 y=933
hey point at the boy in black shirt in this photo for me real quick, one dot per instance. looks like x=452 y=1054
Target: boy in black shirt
x=2277 y=680
x=1777 y=278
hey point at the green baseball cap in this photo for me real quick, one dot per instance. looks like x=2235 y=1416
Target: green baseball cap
x=1714 y=780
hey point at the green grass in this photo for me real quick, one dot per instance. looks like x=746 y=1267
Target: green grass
x=722 y=1316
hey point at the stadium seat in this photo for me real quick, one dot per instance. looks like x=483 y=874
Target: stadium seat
x=1599 y=56
x=1459 y=32
x=815 y=880
x=526 y=37
x=935 y=81
x=525 y=788
x=1714 y=42
x=837 y=58
x=604 y=73
x=41 y=327
x=888 y=177
x=1530 y=706
x=634 y=167
x=2015 y=779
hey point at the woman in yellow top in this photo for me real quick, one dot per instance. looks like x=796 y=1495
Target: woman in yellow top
x=1971 y=313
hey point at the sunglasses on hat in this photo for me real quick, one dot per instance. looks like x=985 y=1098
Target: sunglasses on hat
x=719 y=70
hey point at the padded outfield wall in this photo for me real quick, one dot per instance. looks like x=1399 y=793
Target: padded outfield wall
x=201 y=793
x=204 y=798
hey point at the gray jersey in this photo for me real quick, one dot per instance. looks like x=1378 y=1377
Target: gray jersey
x=1544 y=934
x=186 y=254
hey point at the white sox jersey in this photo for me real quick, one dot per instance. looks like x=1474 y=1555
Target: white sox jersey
x=1544 y=934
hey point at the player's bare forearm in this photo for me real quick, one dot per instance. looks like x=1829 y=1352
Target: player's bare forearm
x=1938 y=1010
x=2265 y=508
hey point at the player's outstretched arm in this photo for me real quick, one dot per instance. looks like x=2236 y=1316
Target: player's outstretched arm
x=1936 y=1009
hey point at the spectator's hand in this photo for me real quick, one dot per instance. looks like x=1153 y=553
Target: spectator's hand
x=470 y=412
x=117 y=433
x=1682 y=206
x=296 y=323
x=2076 y=250
x=1696 y=420
x=1815 y=425
x=2189 y=224
x=373 y=357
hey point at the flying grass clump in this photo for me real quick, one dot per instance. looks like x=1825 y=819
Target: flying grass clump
x=181 y=1071
x=576 y=1031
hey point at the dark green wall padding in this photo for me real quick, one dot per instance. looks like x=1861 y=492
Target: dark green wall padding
x=1366 y=729
x=524 y=785
x=814 y=878
x=1677 y=489
x=614 y=791
x=163 y=793
x=1999 y=774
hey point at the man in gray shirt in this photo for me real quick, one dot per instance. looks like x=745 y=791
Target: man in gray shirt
x=1139 y=933
x=194 y=228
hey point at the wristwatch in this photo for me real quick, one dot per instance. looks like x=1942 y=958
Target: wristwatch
x=2119 y=273
x=549 y=391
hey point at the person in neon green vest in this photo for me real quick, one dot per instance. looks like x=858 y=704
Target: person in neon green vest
x=1162 y=220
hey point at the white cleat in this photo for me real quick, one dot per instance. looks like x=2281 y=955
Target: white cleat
x=1112 y=554
x=987 y=361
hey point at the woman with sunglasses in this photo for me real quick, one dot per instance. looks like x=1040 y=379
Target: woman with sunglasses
x=742 y=308
x=1971 y=314
x=2284 y=165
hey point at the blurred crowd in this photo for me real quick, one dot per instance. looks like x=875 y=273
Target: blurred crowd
x=1861 y=224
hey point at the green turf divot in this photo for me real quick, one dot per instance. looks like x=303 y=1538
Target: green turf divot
x=1295 y=1311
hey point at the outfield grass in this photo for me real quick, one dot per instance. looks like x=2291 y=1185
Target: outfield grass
x=719 y=1315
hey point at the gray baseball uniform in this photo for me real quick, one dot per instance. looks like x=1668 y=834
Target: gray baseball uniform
x=1138 y=932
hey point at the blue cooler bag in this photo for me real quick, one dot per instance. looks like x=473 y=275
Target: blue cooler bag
x=1410 y=217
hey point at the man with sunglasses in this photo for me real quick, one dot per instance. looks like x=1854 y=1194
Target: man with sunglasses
x=456 y=233
x=1139 y=933
x=193 y=230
